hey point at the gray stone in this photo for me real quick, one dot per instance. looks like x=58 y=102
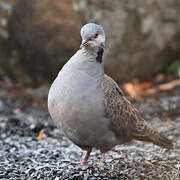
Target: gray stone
x=142 y=36
x=46 y=33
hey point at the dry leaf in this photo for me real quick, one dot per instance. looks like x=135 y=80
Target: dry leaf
x=130 y=90
x=136 y=90
x=169 y=124
x=41 y=135
x=164 y=87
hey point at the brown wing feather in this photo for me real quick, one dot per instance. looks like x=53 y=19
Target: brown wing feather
x=125 y=119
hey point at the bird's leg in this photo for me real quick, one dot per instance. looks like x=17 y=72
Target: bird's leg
x=85 y=160
x=101 y=163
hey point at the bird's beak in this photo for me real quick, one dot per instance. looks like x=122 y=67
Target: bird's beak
x=84 y=42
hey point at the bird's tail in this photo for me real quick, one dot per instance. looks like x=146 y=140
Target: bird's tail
x=147 y=133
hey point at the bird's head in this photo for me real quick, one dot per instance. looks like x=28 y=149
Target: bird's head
x=93 y=36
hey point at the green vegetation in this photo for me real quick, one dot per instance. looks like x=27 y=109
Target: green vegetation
x=175 y=67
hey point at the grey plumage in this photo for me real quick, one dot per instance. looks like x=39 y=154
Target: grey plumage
x=89 y=105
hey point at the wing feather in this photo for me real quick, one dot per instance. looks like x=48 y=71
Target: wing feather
x=125 y=120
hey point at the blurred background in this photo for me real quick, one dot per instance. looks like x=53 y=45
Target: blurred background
x=38 y=37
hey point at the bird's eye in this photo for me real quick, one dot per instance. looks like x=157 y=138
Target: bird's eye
x=95 y=35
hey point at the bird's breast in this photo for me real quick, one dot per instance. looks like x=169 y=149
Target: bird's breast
x=75 y=100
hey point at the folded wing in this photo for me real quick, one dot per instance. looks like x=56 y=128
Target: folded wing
x=126 y=121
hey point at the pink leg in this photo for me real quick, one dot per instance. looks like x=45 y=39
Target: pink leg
x=85 y=160
x=101 y=163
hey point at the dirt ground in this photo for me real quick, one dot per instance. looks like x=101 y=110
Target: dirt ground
x=32 y=148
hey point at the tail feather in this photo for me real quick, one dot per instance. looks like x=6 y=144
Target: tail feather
x=157 y=139
x=144 y=132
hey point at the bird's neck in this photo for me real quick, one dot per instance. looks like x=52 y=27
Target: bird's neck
x=99 y=57
x=83 y=70
x=95 y=52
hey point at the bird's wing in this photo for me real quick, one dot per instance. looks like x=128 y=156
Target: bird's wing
x=126 y=122
x=118 y=109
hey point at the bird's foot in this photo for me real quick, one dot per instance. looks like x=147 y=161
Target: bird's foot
x=85 y=163
x=101 y=163
x=85 y=160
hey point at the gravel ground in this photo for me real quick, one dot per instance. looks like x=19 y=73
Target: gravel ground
x=23 y=156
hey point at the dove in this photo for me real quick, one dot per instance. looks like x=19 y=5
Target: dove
x=89 y=105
